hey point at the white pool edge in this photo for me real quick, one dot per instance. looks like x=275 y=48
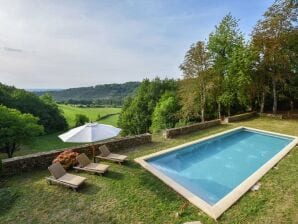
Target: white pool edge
x=222 y=205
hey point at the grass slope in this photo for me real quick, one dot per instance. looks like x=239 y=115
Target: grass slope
x=129 y=194
x=92 y=113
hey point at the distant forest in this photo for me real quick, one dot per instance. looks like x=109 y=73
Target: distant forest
x=107 y=94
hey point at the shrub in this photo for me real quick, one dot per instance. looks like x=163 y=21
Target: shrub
x=98 y=117
x=81 y=119
x=165 y=113
x=67 y=159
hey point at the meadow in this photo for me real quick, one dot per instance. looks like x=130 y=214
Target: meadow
x=51 y=141
x=130 y=194
x=70 y=112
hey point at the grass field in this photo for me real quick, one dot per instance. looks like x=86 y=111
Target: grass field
x=51 y=141
x=92 y=113
x=130 y=194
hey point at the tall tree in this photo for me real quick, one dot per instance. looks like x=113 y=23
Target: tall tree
x=238 y=76
x=224 y=46
x=260 y=81
x=269 y=37
x=194 y=89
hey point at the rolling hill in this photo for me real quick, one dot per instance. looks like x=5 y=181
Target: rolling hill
x=100 y=94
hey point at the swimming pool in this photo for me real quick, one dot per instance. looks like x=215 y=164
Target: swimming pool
x=214 y=172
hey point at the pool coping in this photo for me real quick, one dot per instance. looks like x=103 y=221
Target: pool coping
x=216 y=210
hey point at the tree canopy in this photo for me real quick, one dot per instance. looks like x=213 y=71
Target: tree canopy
x=16 y=129
x=136 y=114
x=228 y=59
x=50 y=117
x=274 y=40
x=196 y=86
x=165 y=114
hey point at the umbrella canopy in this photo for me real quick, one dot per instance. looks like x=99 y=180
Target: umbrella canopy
x=90 y=132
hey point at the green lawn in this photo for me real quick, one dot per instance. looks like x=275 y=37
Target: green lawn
x=51 y=141
x=129 y=194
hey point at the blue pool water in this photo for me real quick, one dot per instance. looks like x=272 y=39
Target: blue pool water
x=213 y=168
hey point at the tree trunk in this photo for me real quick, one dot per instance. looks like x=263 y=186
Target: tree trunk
x=274 y=108
x=229 y=111
x=203 y=100
x=262 y=103
x=219 y=109
x=292 y=105
x=203 y=114
x=9 y=152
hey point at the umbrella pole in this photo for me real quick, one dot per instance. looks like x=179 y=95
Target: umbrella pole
x=93 y=147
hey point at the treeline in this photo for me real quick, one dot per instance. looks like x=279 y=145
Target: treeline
x=95 y=103
x=107 y=94
x=44 y=107
x=224 y=75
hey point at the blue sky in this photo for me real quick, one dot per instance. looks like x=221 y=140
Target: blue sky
x=71 y=43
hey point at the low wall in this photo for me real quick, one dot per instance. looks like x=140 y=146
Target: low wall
x=240 y=117
x=277 y=116
x=42 y=160
x=173 y=132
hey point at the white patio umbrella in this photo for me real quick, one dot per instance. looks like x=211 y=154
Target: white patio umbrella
x=89 y=133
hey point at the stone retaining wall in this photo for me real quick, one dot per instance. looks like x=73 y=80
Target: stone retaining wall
x=173 y=132
x=240 y=117
x=42 y=160
x=277 y=116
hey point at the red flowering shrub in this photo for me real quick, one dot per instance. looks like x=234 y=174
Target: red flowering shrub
x=67 y=159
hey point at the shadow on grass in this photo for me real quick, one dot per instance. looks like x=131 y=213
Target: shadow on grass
x=89 y=189
x=157 y=187
x=245 y=120
x=113 y=175
x=7 y=199
x=140 y=150
x=131 y=164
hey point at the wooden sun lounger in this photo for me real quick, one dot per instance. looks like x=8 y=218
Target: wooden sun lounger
x=86 y=165
x=59 y=176
x=107 y=155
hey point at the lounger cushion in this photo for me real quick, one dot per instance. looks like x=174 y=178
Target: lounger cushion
x=117 y=156
x=57 y=170
x=104 y=150
x=83 y=160
x=97 y=167
x=72 y=179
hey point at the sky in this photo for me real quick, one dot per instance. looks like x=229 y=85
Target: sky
x=74 y=43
